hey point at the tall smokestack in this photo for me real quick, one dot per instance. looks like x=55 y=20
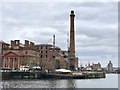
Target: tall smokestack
x=72 y=43
x=72 y=36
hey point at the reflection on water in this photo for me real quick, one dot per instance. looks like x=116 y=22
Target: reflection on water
x=63 y=83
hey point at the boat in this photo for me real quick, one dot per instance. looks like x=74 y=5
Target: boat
x=63 y=74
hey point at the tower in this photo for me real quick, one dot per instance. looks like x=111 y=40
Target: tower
x=110 y=66
x=71 y=49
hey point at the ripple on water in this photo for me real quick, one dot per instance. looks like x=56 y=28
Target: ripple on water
x=64 y=83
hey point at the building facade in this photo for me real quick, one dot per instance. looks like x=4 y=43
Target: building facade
x=96 y=66
x=48 y=61
x=16 y=54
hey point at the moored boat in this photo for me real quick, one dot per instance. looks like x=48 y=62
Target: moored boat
x=62 y=76
x=68 y=74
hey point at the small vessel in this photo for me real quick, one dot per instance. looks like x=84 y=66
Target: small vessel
x=63 y=74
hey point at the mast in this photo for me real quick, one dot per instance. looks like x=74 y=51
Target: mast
x=54 y=51
x=54 y=46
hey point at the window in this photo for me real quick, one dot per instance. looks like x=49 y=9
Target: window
x=41 y=56
x=16 y=42
x=41 y=51
x=46 y=56
x=25 y=52
x=46 y=51
x=41 y=47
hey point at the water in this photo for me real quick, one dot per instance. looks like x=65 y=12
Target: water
x=111 y=81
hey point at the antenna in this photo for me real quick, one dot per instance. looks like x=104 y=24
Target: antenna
x=67 y=40
x=80 y=63
x=54 y=41
x=49 y=40
x=53 y=46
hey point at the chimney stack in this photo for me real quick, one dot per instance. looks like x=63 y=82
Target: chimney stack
x=12 y=44
x=31 y=45
x=26 y=44
x=71 y=49
x=17 y=42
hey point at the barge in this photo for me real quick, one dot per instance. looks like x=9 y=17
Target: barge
x=67 y=74
x=62 y=76
x=74 y=76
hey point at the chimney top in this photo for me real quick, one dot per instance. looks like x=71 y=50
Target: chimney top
x=72 y=13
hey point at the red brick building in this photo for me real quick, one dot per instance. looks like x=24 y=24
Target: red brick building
x=96 y=66
x=16 y=54
x=44 y=55
x=48 y=61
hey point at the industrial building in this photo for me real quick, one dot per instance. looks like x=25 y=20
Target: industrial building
x=47 y=56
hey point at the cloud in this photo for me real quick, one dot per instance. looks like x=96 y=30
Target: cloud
x=60 y=1
x=96 y=25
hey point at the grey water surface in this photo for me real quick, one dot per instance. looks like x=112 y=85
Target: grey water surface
x=111 y=81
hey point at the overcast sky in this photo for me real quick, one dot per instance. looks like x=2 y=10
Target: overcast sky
x=96 y=27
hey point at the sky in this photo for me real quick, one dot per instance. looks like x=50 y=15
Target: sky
x=96 y=27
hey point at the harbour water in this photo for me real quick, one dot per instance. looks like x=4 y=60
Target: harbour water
x=111 y=81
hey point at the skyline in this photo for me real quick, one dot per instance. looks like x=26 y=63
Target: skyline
x=96 y=27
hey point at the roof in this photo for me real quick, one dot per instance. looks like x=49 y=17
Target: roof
x=43 y=45
x=62 y=70
x=12 y=53
x=2 y=42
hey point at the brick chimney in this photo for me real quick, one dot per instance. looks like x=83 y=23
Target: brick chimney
x=71 y=49
x=17 y=42
x=26 y=44
x=31 y=45
x=12 y=44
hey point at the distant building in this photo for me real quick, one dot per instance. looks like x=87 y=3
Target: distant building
x=110 y=66
x=96 y=66
x=88 y=67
